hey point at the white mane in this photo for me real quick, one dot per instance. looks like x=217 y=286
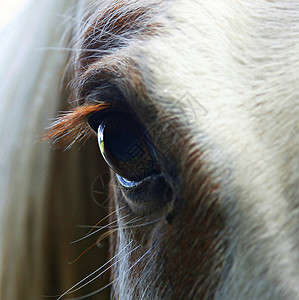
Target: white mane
x=33 y=57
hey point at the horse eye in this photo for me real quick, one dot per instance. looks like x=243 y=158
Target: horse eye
x=125 y=148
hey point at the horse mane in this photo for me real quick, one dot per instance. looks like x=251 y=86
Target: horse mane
x=41 y=189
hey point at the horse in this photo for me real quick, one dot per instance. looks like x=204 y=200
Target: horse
x=184 y=183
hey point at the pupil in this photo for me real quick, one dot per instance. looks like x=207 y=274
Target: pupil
x=124 y=148
x=121 y=140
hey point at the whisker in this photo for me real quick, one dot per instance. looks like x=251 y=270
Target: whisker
x=94 y=272
x=97 y=276
x=105 y=235
x=107 y=270
x=115 y=211
x=96 y=243
x=98 y=230
x=88 y=227
x=115 y=280
x=98 y=227
x=139 y=225
x=90 y=233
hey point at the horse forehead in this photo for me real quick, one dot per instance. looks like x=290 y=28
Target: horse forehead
x=226 y=55
x=239 y=63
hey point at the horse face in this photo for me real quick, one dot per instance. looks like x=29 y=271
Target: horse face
x=207 y=92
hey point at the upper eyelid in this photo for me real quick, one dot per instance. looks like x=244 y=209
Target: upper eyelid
x=108 y=91
x=89 y=84
x=114 y=73
x=100 y=74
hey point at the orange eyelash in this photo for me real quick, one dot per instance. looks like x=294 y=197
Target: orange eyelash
x=72 y=126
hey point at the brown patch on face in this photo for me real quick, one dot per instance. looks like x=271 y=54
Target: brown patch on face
x=194 y=242
x=114 y=29
x=185 y=255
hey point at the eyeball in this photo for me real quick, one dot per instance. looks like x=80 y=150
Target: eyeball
x=126 y=149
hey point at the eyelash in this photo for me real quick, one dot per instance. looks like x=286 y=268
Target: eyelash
x=72 y=127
